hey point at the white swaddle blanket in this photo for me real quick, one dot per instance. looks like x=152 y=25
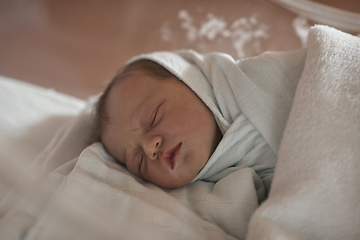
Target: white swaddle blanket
x=250 y=100
x=315 y=193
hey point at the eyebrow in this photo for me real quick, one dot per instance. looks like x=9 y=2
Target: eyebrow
x=137 y=116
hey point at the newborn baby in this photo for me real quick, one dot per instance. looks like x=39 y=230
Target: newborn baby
x=177 y=117
x=156 y=126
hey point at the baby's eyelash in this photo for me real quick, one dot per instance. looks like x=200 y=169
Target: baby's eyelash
x=154 y=118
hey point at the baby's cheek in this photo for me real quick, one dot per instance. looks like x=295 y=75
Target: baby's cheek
x=202 y=122
x=188 y=121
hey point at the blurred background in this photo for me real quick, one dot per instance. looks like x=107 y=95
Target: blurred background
x=76 y=46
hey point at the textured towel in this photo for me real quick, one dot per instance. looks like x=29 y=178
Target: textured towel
x=250 y=100
x=315 y=192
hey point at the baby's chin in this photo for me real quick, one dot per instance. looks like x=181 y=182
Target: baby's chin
x=172 y=186
x=172 y=183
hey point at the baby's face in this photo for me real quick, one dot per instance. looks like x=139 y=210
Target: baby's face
x=159 y=129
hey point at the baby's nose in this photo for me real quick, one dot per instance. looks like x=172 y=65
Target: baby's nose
x=151 y=146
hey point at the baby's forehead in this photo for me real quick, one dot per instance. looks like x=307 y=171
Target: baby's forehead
x=127 y=95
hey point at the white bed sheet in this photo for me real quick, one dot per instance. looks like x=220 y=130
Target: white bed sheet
x=30 y=116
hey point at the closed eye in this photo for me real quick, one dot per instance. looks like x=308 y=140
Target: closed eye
x=154 y=115
x=154 y=118
x=141 y=162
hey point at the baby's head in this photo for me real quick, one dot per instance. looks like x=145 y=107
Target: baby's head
x=156 y=125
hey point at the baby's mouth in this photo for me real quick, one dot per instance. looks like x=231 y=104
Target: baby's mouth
x=170 y=156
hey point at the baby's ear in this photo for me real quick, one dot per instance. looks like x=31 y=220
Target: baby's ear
x=93 y=137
